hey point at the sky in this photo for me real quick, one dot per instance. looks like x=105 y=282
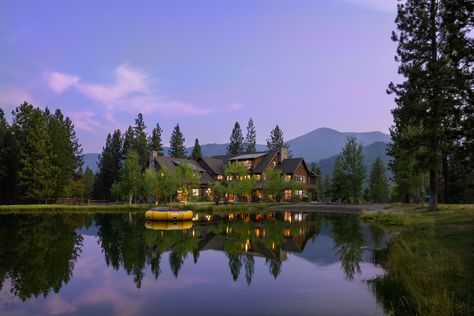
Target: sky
x=203 y=64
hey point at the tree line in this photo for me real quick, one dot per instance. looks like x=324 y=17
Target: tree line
x=349 y=181
x=39 y=155
x=433 y=131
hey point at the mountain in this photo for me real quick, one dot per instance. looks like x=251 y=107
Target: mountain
x=213 y=149
x=325 y=142
x=318 y=145
x=371 y=152
x=91 y=160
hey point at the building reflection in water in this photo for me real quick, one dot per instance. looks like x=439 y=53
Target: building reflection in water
x=38 y=253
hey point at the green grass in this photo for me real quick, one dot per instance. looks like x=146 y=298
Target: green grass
x=430 y=263
x=195 y=206
x=58 y=208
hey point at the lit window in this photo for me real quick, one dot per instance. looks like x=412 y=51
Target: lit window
x=257 y=176
x=288 y=177
x=287 y=194
x=220 y=177
x=195 y=192
x=299 y=192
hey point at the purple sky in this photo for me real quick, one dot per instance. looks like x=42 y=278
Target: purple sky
x=204 y=64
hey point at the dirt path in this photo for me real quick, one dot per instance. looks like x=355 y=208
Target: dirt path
x=331 y=207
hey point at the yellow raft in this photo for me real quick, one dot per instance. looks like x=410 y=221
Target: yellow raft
x=169 y=225
x=169 y=215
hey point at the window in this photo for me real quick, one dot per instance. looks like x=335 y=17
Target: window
x=288 y=178
x=247 y=164
x=257 y=176
x=299 y=192
x=229 y=178
x=220 y=177
x=287 y=194
x=195 y=192
x=300 y=178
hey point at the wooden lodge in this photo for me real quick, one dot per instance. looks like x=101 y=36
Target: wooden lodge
x=211 y=169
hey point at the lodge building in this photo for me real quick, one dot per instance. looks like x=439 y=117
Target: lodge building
x=211 y=169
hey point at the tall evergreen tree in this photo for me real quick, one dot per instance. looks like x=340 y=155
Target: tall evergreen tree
x=88 y=181
x=177 y=148
x=7 y=162
x=34 y=155
x=110 y=165
x=378 y=183
x=251 y=138
x=236 y=145
x=66 y=150
x=276 y=142
x=433 y=49
x=128 y=141
x=141 y=143
x=197 y=153
x=349 y=172
x=155 y=142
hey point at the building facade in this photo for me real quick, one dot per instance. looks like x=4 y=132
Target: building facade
x=211 y=169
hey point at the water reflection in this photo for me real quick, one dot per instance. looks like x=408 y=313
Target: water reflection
x=38 y=252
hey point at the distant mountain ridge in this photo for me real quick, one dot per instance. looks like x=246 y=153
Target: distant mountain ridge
x=315 y=146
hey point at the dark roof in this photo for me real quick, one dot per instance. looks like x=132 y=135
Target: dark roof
x=214 y=164
x=171 y=164
x=248 y=156
x=290 y=165
x=265 y=161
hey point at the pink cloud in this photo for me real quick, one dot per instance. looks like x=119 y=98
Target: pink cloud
x=60 y=82
x=56 y=305
x=12 y=97
x=84 y=120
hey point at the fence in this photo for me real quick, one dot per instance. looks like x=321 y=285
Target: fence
x=81 y=201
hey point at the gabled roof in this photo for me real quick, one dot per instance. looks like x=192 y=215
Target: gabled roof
x=248 y=156
x=290 y=165
x=171 y=164
x=214 y=164
x=265 y=161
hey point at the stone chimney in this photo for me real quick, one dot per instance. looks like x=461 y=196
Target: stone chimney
x=283 y=154
x=151 y=162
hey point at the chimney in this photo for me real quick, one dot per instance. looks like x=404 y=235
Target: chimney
x=151 y=162
x=283 y=154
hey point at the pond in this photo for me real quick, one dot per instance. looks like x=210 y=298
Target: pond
x=268 y=263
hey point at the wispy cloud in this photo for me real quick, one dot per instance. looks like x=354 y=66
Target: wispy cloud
x=131 y=91
x=11 y=97
x=379 y=5
x=85 y=120
x=60 y=82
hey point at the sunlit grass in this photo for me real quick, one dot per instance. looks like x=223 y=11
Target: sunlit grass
x=430 y=263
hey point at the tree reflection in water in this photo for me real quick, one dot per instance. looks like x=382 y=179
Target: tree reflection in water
x=38 y=252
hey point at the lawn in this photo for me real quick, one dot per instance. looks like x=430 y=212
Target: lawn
x=430 y=263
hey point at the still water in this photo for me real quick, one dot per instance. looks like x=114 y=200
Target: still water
x=273 y=263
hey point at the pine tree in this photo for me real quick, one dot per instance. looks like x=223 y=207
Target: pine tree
x=7 y=162
x=433 y=58
x=197 y=153
x=177 y=148
x=110 y=165
x=251 y=138
x=128 y=141
x=66 y=150
x=141 y=143
x=154 y=142
x=36 y=172
x=378 y=182
x=236 y=145
x=88 y=181
x=276 y=142
x=349 y=172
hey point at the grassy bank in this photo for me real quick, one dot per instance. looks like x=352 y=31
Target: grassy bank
x=198 y=207
x=58 y=208
x=430 y=263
